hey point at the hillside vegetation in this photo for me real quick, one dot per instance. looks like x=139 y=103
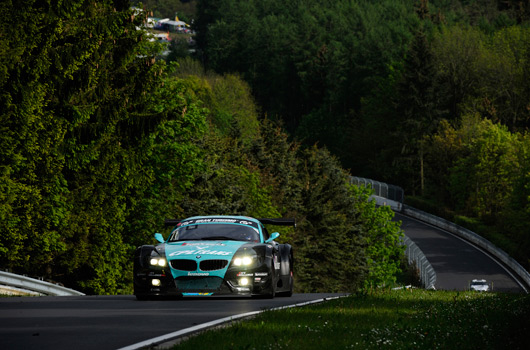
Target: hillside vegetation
x=430 y=95
x=101 y=140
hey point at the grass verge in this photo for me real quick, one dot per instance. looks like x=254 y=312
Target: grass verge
x=401 y=319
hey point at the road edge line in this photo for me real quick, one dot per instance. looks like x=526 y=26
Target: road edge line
x=164 y=339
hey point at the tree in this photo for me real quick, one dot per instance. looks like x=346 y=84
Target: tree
x=457 y=50
x=73 y=73
x=418 y=108
x=384 y=248
x=329 y=239
x=171 y=157
x=505 y=87
x=484 y=176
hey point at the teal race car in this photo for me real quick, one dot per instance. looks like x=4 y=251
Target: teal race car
x=215 y=255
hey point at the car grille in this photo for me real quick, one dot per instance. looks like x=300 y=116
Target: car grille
x=211 y=265
x=198 y=283
x=184 y=265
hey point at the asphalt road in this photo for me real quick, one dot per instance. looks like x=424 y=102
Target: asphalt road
x=455 y=261
x=112 y=322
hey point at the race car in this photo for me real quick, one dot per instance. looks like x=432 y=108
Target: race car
x=215 y=255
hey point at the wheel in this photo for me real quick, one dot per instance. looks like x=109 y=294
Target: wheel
x=289 y=292
x=271 y=293
x=289 y=267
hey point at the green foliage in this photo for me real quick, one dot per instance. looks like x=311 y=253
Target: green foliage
x=330 y=238
x=100 y=141
x=71 y=74
x=485 y=175
x=379 y=83
x=233 y=108
x=418 y=104
x=485 y=167
x=335 y=50
x=383 y=244
x=487 y=75
x=170 y=157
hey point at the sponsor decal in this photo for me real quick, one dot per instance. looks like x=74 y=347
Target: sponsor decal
x=154 y=274
x=244 y=274
x=261 y=274
x=257 y=279
x=200 y=252
x=197 y=294
x=198 y=274
x=218 y=220
x=199 y=245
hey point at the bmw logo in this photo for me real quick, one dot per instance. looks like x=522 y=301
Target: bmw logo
x=198 y=257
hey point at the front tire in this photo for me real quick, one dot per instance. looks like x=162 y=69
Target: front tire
x=271 y=293
x=287 y=266
x=288 y=293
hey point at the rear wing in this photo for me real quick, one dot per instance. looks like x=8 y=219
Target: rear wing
x=278 y=222
x=171 y=222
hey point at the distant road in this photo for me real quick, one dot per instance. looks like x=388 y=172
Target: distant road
x=455 y=261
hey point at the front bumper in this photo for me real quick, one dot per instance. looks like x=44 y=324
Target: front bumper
x=236 y=281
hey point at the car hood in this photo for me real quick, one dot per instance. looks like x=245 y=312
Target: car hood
x=202 y=249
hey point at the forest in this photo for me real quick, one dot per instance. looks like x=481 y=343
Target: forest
x=429 y=95
x=102 y=139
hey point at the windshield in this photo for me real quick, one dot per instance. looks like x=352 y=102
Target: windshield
x=220 y=232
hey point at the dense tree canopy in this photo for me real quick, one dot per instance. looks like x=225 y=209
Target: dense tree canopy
x=101 y=141
x=377 y=81
x=73 y=73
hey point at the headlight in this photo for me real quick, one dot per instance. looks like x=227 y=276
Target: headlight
x=161 y=262
x=156 y=282
x=243 y=261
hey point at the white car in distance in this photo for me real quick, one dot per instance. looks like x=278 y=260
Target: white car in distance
x=479 y=285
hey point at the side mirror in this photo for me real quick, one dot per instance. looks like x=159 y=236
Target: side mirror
x=273 y=237
x=159 y=237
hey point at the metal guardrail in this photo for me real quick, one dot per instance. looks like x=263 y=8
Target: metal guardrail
x=381 y=189
x=35 y=285
x=425 y=270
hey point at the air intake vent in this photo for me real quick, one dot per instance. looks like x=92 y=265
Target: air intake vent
x=211 y=265
x=184 y=265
